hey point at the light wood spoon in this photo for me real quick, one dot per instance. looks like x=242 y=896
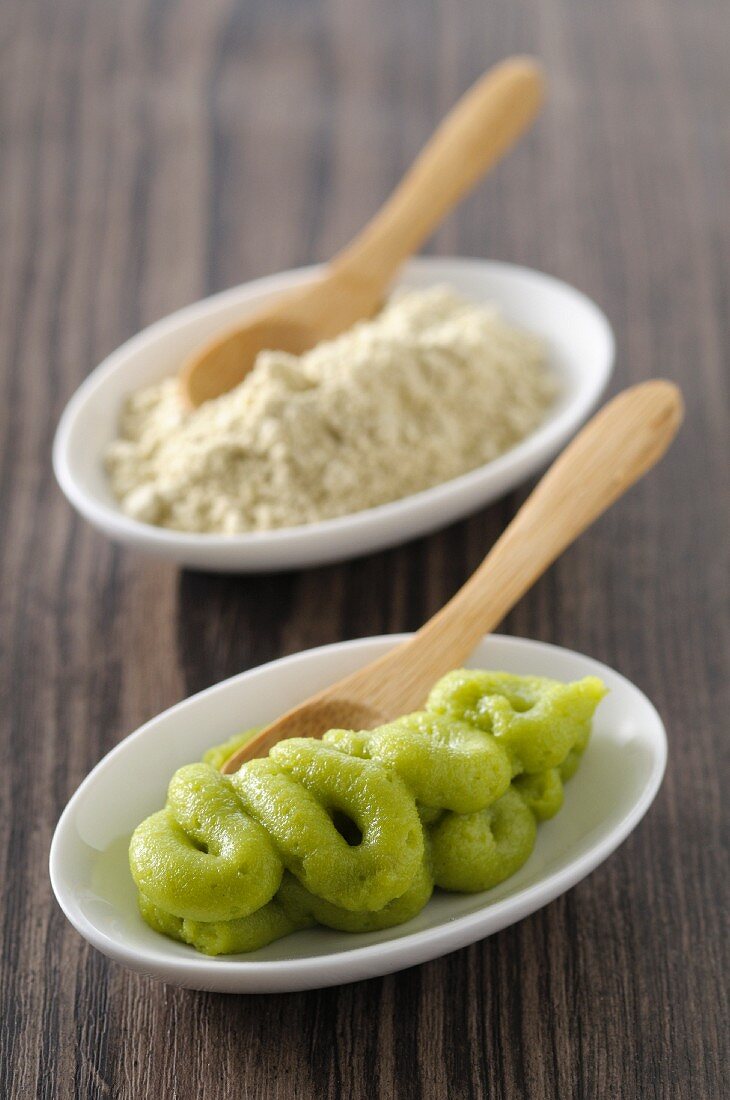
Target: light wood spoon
x=480 y=129
x=618 y=446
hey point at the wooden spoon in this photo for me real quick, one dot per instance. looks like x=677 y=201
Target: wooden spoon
x=614 y=450
x=480 y=129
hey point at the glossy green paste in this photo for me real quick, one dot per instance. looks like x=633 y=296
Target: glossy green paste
x=354 y=831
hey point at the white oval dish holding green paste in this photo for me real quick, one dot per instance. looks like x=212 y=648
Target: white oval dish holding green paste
x=570 y=330
x=618 y=777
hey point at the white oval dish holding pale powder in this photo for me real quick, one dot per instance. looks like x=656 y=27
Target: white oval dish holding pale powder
x=578 y=345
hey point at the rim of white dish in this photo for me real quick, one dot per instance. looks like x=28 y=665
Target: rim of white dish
x=117 y=523
x=451 y=935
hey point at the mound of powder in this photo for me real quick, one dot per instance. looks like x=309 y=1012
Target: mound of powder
x=431 y=388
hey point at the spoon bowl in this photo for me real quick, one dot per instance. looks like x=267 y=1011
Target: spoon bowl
x=618 y=778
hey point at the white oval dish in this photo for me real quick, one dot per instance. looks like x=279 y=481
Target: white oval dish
x=580 y=345
x=615 y=785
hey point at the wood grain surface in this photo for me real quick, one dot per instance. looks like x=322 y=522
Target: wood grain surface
x=156 y=150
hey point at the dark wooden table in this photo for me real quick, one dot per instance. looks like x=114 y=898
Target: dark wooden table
x=156 y=150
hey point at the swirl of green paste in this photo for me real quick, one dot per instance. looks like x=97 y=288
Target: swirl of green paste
x=353 y=832
x=296 y=794
x=203 y=857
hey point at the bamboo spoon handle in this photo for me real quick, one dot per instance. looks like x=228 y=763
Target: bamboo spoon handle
x=480 y=129
x=616 y=448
